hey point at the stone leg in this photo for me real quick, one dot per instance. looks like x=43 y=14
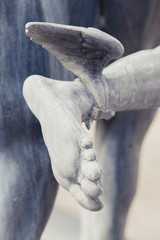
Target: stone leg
x=118 y=145
x=135 y=24
x=27 y=185
x=28 y=190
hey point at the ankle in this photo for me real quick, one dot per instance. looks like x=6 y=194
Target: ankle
x=99 y=90
x=84 y=99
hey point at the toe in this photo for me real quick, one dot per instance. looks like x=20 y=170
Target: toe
x=91 y=189
x=91 y=170
x=88 y=201
x=86 y=143
x=89 y=154
x=92 y=204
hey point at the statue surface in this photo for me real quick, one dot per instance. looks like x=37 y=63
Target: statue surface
x=28 y=186
x=130 y=83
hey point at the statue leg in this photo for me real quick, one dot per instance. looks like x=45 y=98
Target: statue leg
x=118 y=145
x=117 y=149
x=28 y=188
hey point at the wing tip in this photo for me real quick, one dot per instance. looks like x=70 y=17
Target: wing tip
x=32 y=30
x=29 y=27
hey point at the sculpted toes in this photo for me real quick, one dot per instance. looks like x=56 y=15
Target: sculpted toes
x=91 y=189
x=89 y=155
x=91 y=170
x=86 y=143
x=92 y=204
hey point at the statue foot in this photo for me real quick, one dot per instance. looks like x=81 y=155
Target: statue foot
x=60 y=108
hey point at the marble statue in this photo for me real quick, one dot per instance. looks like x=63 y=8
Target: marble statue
x=130 y=83
x=27 y=183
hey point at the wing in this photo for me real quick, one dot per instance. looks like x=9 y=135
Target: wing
x=83 y=51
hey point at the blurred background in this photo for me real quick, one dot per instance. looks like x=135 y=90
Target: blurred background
x=144 y=216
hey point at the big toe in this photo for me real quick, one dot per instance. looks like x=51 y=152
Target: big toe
x=89 y=203
x=91 y=189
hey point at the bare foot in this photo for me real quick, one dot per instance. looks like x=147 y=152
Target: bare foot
x=60 y=108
